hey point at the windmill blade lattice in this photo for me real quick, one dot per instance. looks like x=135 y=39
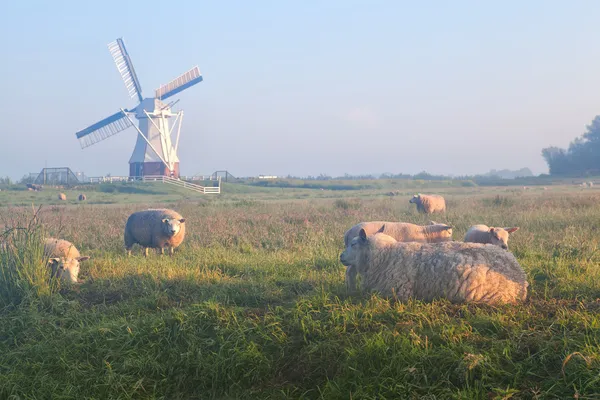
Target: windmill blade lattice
x=103 y=129
x=125 y=67
x=180 y=83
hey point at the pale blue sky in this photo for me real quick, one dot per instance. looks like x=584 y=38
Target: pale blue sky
x=453 y=87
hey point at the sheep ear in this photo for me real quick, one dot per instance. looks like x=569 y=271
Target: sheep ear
x=53 y=261
x=182 y=220
x=492 y=229
x=362 y=235
x=84 y=258
x=511 y=230
x=432 y=223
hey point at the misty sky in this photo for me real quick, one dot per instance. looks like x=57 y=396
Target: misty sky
x=303 y=88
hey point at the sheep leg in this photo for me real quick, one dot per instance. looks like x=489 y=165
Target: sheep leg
x=145 y=252
x=171 y=251
x=350 y=278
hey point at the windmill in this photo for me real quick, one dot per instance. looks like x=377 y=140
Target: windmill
x=154 y=152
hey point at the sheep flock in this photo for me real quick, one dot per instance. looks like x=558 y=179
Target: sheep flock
x=394 y=258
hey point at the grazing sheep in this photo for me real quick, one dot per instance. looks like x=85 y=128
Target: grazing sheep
x=459 y=272
x=429 y=203
x=64 y=259
x=590 y=184
x=485 y=234
x=82 y=197
x=62 y=196
x=401 y=231
x=155 y=228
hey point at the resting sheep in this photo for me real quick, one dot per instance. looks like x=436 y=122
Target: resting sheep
x=429 y=203
x=459 y=272
x=154 y=228
x=62 y=196
x=82 y=197
x=402 y=232
x=485 y=234
x=64 y=259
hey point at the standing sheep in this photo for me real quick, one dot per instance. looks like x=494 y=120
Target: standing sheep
x=82 y=197
x=485 y=234
x=64 y=259
x=62 y=196
x=429 y=203
x=401 y=231
x=155 y=228
x=459 y=272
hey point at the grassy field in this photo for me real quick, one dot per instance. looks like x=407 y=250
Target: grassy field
x=253 y=304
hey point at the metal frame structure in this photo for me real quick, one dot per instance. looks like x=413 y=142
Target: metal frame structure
x=154 y=144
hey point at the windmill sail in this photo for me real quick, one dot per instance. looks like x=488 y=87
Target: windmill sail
x=180 y=83
x=125 y=67
x=103 y=129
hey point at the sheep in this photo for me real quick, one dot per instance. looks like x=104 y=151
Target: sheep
x=64 y=259
x=429 y=203
x=459 y=272
x=402 y=232
x=62 y=196
x=155 y=228
x=485 y=234
x=82 y=197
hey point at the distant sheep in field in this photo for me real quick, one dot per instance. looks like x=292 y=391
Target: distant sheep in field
x=485 y=234
x=400 y=231
x=429 y=203
x=459 y=272
x=64 y=259
x=154 y=228
x=82 y=197
x=62 y=196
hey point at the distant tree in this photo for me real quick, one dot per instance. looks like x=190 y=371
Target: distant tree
x=581 y=158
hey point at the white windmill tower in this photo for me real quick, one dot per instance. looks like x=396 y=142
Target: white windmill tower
x=154 y=152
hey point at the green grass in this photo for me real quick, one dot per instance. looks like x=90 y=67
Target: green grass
x=253 y=305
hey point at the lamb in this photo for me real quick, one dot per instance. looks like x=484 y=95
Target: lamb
x=402 y=232
x=64 y=259
x=459 y=272
x=155 y=228
x=429 y=203
x=82 y=197
x=485 y=234
x=62 y=196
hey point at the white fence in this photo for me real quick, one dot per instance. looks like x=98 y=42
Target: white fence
x=164 y=179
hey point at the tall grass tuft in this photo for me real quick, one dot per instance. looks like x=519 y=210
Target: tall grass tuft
x=23 y=266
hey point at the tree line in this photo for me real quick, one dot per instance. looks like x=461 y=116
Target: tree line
x=581 y=158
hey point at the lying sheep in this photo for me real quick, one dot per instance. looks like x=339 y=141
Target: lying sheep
x=155 y=228
x=459 y=272
x=493 y=235
x=82 y=197
x=62 y=196
x=429 y=203
x=64 y=259
x=401 y=231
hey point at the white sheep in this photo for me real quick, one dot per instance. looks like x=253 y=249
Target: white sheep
x=459 y=272
x=62 y=196
x=485 y=234
x=429 y=203
x=401 y=231
x=64 y=259
x=154 y=228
